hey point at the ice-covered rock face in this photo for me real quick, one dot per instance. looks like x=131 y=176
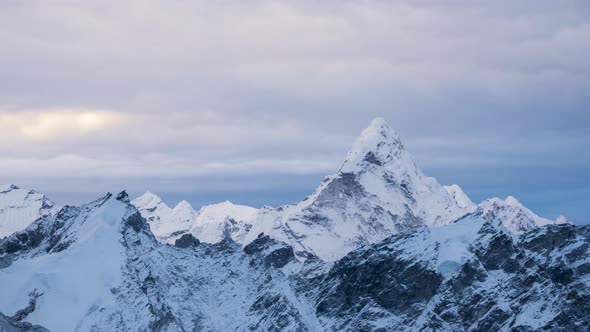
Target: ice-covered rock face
x=512 y=214
x=471 y=276
x=377 y=192
x=463 y=201
x=167 y=224
x=20 y=207
x=377 y=146
x=97 y=267
x=224 y=220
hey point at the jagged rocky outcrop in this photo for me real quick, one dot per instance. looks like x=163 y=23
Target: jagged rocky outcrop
x=8 y=324
x=496 y=283
x=377 y=247
x=378 y=191
x=472 y=274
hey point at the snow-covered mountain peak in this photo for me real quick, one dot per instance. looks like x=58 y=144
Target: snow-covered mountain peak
x=149 y=201
x=512 y=201
x=460 y=197
x=377 y=145
x=562 y=220
x=378 y=191
x=217 y=221
x=228 y=208
x=512 y=214
x=167 y=224
x=183 y=206
x=20 y=207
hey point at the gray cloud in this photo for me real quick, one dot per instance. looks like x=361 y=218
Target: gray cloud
x=195 y=90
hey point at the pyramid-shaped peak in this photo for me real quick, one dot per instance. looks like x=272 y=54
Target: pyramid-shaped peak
x=183 y=205
x=460 y=196
x=377 y=145
x=148 y=195
x=148 y=200
x=562 y=220
x=379 y=127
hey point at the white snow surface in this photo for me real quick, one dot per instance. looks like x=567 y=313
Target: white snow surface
x=113 y=277
x=20 y=207
x=461 y=197
x=224 y=219
x=513 y=215
x=76 y=281
x=445 y=248
x=377 y=192
x=167 y=224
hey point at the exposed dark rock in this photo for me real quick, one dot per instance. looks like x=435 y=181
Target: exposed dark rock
x=186 y=240
x=136 y=222
x=23 y=313
x=123 y=197
x=376 y=278
x=371 y=158
x=275 y=254
x=8 y=324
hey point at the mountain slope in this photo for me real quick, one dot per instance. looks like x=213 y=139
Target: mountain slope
x=463 y=201
x=97 y=267
x=20 y=207
x=471 y=276
x=378 y=191
x=166 y=224
x=513 y=215
x=218 y=221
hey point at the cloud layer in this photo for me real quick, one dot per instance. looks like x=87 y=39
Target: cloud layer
x=165 y=92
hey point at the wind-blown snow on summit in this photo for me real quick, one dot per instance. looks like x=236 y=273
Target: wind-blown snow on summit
x=20 y=207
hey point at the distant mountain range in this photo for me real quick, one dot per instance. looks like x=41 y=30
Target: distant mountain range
x=378 y=246
x=377 y=192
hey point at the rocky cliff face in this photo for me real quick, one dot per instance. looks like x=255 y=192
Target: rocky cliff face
x=539 y=282
x=99 y=268
x=377 y=247
x=378 y=191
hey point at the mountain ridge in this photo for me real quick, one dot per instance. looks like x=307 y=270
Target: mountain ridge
x=472 y=274
x=377 y=191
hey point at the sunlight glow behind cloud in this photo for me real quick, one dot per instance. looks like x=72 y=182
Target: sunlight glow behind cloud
x=170 y=89
x=57 y=123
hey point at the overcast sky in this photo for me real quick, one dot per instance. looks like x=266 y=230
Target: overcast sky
x=257 y=101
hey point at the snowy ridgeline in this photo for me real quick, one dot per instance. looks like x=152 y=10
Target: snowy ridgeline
x=98 y=267
x=378 y=191
x=378 y=245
